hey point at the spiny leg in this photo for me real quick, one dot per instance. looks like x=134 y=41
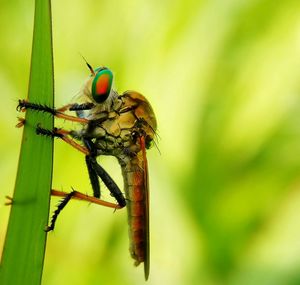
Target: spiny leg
x=96 y=168
x=93 y=178
x=83 y=197
x=24 y=104
x=75 y=107
x=60 y=206
x=66 y=198
x=108 y=181
x=62 y=134
x=75 y=195
x=59 y=113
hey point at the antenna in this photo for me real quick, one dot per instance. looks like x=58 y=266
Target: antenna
x=88 y=65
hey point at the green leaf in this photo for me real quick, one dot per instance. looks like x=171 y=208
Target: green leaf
x=24 y=249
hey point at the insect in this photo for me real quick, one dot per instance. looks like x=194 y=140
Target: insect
x=122 y=126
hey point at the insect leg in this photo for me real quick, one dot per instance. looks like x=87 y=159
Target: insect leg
x=23 y=105
x=93 y=178
x=83 y=197
x=60 y=206
x=76 y=107
x=10 y=200
x=20 y=123
x=108 y=181
x=74 y=195
x=62 y=134
x=99 y=170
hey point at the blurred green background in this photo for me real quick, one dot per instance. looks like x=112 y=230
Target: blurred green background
x=223 y=79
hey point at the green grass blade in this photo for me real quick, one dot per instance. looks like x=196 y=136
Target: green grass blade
x=24 y=249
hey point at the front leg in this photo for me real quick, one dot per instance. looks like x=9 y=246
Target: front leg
x=76 y=107
x=23 y=105
x=59 y=113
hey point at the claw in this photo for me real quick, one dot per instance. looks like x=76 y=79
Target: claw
x=21 y=106
x=9 y=202
x=48 y=229
x=21 y=122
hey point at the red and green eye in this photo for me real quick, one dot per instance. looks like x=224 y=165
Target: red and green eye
x=101 y=85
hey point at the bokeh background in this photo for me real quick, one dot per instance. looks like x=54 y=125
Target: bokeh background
x=223 y=79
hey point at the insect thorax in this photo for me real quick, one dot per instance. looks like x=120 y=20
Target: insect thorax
x=114 y=130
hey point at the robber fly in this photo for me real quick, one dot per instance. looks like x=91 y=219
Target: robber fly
x=122 y=126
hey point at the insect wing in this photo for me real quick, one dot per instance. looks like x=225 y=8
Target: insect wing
x=146 y=209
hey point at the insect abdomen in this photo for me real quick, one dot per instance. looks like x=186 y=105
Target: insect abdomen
x=135 y=191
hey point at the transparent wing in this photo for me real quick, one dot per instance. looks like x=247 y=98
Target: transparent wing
x=146 y=209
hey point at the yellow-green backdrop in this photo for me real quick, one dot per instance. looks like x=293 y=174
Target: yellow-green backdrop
x=223 y=77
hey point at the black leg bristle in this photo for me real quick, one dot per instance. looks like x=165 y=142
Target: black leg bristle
x=23 y=105
x=60 y=207
x=50 y=133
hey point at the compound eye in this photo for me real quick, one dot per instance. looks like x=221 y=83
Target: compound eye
x=101 y=85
